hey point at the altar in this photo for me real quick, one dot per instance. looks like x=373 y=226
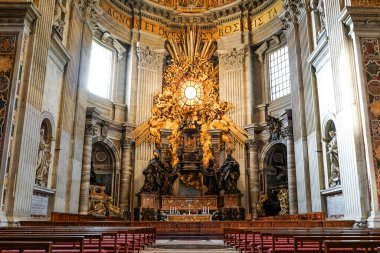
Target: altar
x=189 y=218
x=190 y=203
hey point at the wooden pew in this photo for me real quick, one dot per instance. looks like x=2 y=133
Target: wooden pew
x=330 y=245
x=56 y=239
x=299 y=240
x=45 y=246
x=112 y=238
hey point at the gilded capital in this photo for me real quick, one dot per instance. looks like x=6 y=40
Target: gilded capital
x=252 y=144
x=126 y=143
x=91 y=130
x=89 y=11
x=147 y=57
x=291 y=12
x=233 y=59
x=287 y=132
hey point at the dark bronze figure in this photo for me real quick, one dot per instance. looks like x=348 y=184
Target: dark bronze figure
x=229 y=174
x=209 y=179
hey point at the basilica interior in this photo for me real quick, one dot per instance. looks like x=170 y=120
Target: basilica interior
x=197 y=112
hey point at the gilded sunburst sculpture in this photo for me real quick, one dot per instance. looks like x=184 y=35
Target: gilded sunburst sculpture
x=190 y=92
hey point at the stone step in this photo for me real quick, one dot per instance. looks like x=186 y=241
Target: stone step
x=189 y=236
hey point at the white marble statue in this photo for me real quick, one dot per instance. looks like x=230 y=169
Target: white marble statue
x=43 y=160
x=332 y=151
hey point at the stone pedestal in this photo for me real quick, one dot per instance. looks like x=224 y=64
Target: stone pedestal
x=149 y=200
x=231 y=200
x=41 y=198
x=334 y=203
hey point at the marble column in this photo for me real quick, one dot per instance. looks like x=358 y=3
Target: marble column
x=253 y=171
x=126 y=170
x=292 y=181
x=86 y=169
x=253 y=176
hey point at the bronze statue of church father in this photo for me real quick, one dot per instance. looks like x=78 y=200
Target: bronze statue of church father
x=190 y=187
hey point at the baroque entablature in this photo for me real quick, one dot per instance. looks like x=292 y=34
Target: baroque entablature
x=237 y=17
x=165 y=12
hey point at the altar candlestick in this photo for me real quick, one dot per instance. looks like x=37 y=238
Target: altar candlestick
x=208 y=210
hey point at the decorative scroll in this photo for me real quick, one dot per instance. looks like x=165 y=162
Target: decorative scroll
x=371 y=68
x=7 y=58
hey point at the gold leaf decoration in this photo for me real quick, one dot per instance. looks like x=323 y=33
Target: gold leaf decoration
x=191 y=59
x=375 y=107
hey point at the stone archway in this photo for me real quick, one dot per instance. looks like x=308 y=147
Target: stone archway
x=275 y=180
x=103 y=169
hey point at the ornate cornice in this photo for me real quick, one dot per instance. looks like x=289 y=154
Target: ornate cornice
x=89 y=11
x=361 y=18
x=233 y=59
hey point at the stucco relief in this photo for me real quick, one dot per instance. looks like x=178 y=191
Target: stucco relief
x=58 y=19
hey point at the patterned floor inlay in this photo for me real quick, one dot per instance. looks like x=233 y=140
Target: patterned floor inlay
x=179 y=246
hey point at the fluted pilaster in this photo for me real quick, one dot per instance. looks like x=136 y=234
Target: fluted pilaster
x=86 y=169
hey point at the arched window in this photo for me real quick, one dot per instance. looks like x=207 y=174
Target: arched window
x=279 y=73
x=101 y=70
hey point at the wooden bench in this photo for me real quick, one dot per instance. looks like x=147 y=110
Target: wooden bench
x=319 y=240
x=56 y=239
x=351 y=244
x=45 y=246
x=111 y=239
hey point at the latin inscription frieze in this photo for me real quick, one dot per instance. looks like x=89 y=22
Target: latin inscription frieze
x=226 y=29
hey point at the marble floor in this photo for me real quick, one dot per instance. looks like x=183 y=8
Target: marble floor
x=188 y=246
